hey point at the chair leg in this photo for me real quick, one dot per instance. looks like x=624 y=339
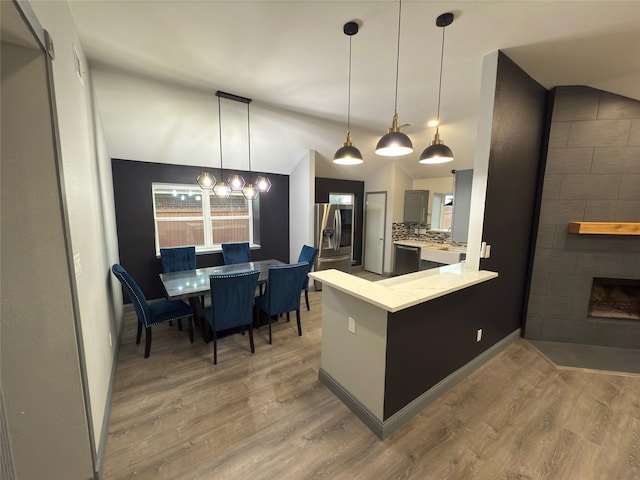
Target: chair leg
x=215 y=347
x=253 y=347
x=139 y=333
x=306 y=298
x=269 y=320
x=190 y=320
x=288 y=319
x=147 y=342
x=180 y=324
x=299 y=325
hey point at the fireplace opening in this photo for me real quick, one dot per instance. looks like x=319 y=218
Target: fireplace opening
x=615 y=298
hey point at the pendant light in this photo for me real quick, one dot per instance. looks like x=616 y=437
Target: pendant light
x=221 y=189
x=249 y=191
x=438 y=152
x=206 y=180
x=263 y=184
x=395 y=143
x=348 y=154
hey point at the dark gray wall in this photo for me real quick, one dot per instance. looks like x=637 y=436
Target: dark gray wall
x=592 y=174
x=325 y=186
x=134 y=218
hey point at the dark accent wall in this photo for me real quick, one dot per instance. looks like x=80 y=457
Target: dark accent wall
x=592 y=174
x=134 y=218
x=325 y=186
x=428 y=342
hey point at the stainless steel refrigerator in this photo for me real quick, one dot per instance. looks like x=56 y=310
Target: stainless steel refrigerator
x=333 y=237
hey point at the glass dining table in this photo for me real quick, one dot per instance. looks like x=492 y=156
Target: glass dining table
x=192 y=284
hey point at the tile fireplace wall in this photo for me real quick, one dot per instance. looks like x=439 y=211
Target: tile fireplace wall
x=592 y=174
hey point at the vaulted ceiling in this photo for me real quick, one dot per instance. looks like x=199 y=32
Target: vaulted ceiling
x=294 y=55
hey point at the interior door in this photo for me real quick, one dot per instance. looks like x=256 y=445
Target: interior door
x=374 y=225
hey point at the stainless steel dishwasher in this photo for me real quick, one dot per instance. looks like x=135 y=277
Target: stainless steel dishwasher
x=406 y=259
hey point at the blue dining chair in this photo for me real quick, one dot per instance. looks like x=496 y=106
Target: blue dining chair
x=283 y=292
x=232 y=297
x=150 y=314
x=179 y=259
x=307 y=254
x=236 y=253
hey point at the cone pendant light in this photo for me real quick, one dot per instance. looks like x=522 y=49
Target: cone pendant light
x=395 y=143
x=348 y=154
x=438 y=152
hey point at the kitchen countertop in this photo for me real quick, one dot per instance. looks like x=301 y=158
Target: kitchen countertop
x=433 y=245
x=397 y=293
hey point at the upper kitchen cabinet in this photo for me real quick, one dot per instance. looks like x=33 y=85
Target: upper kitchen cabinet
x=461 y=206
x=415 y=206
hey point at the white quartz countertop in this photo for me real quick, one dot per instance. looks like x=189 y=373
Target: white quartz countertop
x=434 y=245
x=397 y=293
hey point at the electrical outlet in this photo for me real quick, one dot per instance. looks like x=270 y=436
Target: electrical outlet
x=479 y=335
x=352 y=325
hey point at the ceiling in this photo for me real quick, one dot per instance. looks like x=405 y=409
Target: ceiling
x=294 y=55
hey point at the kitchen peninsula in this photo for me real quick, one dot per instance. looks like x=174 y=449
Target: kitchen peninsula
x=391 y=347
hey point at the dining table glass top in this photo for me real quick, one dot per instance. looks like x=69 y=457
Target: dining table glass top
x=191 y=283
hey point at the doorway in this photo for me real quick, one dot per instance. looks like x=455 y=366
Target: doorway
x=374 y=228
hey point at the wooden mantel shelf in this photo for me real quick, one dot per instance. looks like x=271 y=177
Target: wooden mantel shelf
x=604 y=228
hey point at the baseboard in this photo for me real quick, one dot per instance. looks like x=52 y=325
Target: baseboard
x=382 y=429
x=363 y=413
x=405 y=414
x=104 y=434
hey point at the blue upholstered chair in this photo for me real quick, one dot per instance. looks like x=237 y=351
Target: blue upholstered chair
x=178 y=259
x=232 y=298
x=307 y=254
x=154 y=313
x=236 y=253
x=283 y=292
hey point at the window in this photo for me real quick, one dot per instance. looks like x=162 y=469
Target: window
x=185 y=215
x=341 y=198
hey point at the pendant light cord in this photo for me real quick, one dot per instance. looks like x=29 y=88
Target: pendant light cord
x=349 y=90
x=395 y=107
x=220 y=134
x=249 y=139
x=440 y=81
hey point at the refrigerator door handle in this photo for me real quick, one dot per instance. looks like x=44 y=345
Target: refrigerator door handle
x=338 y=230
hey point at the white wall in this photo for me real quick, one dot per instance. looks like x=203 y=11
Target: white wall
x=393 y=180
x=301 y=201
x=41 y=378
x=150 y=120
x=89 y=199
x=481 y=161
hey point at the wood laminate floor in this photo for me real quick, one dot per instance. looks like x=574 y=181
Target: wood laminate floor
x=266 y=416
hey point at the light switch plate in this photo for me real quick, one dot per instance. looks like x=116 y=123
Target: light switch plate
x=352 y=325
x=77 y=266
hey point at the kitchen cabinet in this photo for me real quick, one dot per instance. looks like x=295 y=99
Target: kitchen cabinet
x=415 y=206
x=461 y=206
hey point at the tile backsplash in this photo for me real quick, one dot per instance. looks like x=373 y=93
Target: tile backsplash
x=408 y=231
